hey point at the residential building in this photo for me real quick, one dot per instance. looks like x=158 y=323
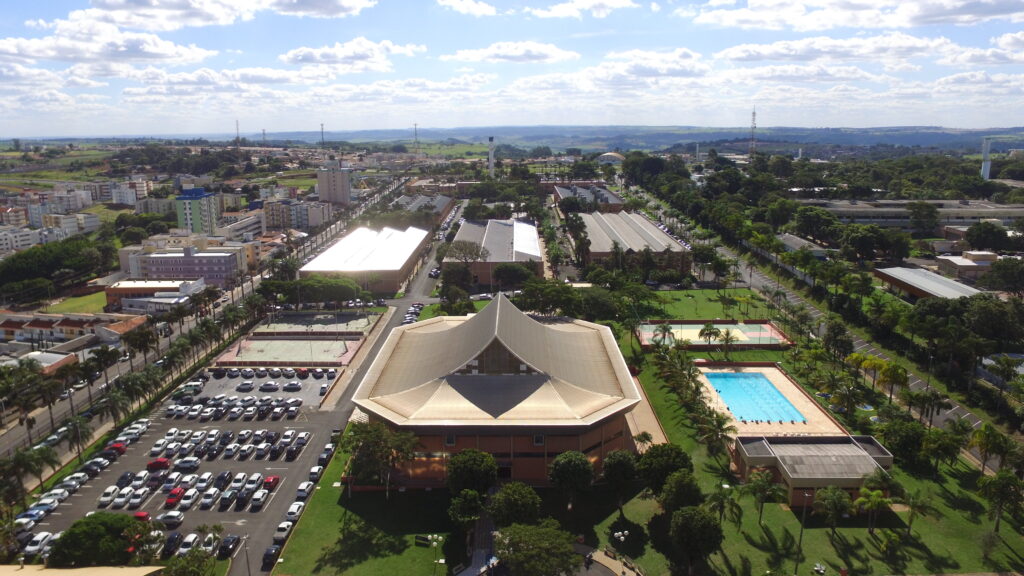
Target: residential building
x=379 y=261
x=36 y=210
x=220 y=267
x=126 y=195
x=506 y=242
x=15 y=216
x=155 y=206
x=87 y=222
x=55 y=328
x=197 y=210
x=241 y=225
x=334 y=183
x=283 y=214
x=65 y=222
x=14 y=239
x=71 y=201
x=141 y=289
x=501 y=382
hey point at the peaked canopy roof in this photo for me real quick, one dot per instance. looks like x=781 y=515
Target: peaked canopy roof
x=498 y=367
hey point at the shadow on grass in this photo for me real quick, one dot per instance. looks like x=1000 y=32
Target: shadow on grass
x=634 y=545
x=590 y=509
x=357 y=542
x=777 y=547
x=744 y=569
x=963 y=501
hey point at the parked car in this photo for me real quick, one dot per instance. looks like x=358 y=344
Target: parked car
x=35 y=545
x=228 y=546
x=172 y=519
x=284 y=529
x=108 y=496
x=315 y=473
x=209 y=498
x=174 y=497
x=190 y=542
x=259 y=498
x=294 y=511
x=171 y=544
x=270 y=556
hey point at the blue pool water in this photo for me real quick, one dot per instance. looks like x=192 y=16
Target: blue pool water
x=753 y=397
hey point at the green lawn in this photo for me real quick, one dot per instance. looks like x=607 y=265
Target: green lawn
x=106 y=213
x=380 y=535
x=91 y=303
x=435 y=309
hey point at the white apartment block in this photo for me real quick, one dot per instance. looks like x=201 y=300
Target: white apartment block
x=334 y=183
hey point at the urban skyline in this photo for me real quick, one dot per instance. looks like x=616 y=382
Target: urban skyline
x=138 y=67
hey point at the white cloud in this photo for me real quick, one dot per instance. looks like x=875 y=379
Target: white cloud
x=1013 y=41
x=356 y=55
x=576 y=8
x=894 y=45
x=655 y=7
x=805 y=15
x=470 y=7
x=82 y=40
x=803 y=74
x=16 y=76
x=646 y=63
x=321 y=8
x=527 y=51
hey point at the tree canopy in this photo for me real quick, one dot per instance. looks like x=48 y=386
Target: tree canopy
x=471 y=469
x=537 y=550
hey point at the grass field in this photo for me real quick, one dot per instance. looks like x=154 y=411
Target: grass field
x=366 y=535
x=91 y=303
x=106 y=213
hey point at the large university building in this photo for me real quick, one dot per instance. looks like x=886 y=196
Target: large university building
x=501 y=382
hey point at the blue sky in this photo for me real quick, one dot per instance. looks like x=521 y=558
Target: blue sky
x=118 y=67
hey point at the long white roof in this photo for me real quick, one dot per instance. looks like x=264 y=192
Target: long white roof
x=630 y=231
x=364 y=249
x=441 y=372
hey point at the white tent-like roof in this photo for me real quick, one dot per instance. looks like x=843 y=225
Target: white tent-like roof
x=498 y=368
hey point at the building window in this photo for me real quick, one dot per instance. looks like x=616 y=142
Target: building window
x=449 y=439
x=538 y=439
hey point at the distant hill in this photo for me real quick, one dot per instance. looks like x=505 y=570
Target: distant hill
x=603 y=138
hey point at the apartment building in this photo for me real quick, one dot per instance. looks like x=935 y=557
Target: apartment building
x=197 y=210
x=334 y=183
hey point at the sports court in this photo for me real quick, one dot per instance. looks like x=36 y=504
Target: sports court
x=312 y=340
x=762 y=400
x=747 y=334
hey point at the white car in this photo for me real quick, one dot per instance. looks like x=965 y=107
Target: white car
x=282 y=532
x=205 y=481
x=79 y=477
x=246 y=451
x=244 y=436
x=108 y=496
x=315 y=472
x=183 y=434
x=209 y=544
x=171 y=481
x=231 y=449
x=187 y=544
x=47 y=505
x=188 y=499
x=171 y=434
x=210 y=498
x=238 y=481
x=197 y=437
x=140 y=479
x=138 y=498
x=171 y=449
x=212 y=436
x=195 y=411
x=158 y=448
x=303 y=438
x=121 y=500
x=294 y=511
x=288 y=437
x=188 y=481
x=254 y=481
x=235 y=413
x=259 y=498
x=58 y=493
x=35 y=546
x=23 y=525
x=305 y=490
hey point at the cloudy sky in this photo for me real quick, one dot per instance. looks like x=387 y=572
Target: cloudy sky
x=117 y=67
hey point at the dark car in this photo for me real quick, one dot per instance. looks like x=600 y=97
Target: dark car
x=213 y=451
x=292 y=452
x=90 y=470
x=272 y=436
x=171 y=544
x=156 y=479
x=264 y=410
x=276 y=450
x=125 y=479
x=219 y=373
x=109 y=454
x=270 y=556
x=226 y=437
x=323 y=459
x=201 y=450
x=293 y=386
x=228 y=546
x=227 y=499
x=222 y=480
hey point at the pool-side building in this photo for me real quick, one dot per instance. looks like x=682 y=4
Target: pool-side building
x=805 y=464
x=501 y=382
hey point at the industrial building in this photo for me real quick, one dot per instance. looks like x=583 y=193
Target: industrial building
x=894 y=213
x=379 y=261
x=506 y=241
x=919 y=283
x=597 y=198
x=501 y=382
x=633 y=233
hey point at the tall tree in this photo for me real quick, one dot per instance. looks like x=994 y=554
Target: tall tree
x=540 y=550
x=1003 y=492
x=377 y=450
x=833 y=503
x=987 y=439
x=872 y=502
x=763 y=488
x=571 y=472
x=659 y=461
x=619 y=471
x=514 y=503
x=696 y=534
x=680 y=491
x=723 y=503
x=472 y=469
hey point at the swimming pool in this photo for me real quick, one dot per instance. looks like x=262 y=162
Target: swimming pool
x=752 y=397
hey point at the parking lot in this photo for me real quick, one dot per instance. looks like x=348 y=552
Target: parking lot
x=256 y=445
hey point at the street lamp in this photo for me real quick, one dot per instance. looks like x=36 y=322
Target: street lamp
x=245 y=546
x=435 y=541
x=800 y=540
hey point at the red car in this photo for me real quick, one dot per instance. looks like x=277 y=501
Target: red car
x=120 y=447
x=271 y=482
x=174 y=497
x=141 y=516
x=158 y=464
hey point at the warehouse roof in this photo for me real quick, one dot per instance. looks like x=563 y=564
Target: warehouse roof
x=505 y=240
x=632 y=232
x=927 y=282
x=364 y=249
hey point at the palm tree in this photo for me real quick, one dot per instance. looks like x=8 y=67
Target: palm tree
x=45 y=457
x=714 y=431
x=918 y=504
x=22 y=464
x=1003 y=492
x=709 y=332
x=763 y=488
x=961 y=428
x=79 y=434
x=874 y=365
x=105 y=357
x=987 y=439
x=142 y=339
x=726 y=340
x=116 y=404
x=940 y=445
x=894 y=377
x=872 y=502
x=932 y=401
x=847 y=394
x=832 y=502
x=723 y=502
x=48 y=391
x=232 y=316
x=664 y=333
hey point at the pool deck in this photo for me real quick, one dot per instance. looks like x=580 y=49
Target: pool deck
x=819 y=422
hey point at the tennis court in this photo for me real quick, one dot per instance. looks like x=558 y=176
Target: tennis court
x=746 y=334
